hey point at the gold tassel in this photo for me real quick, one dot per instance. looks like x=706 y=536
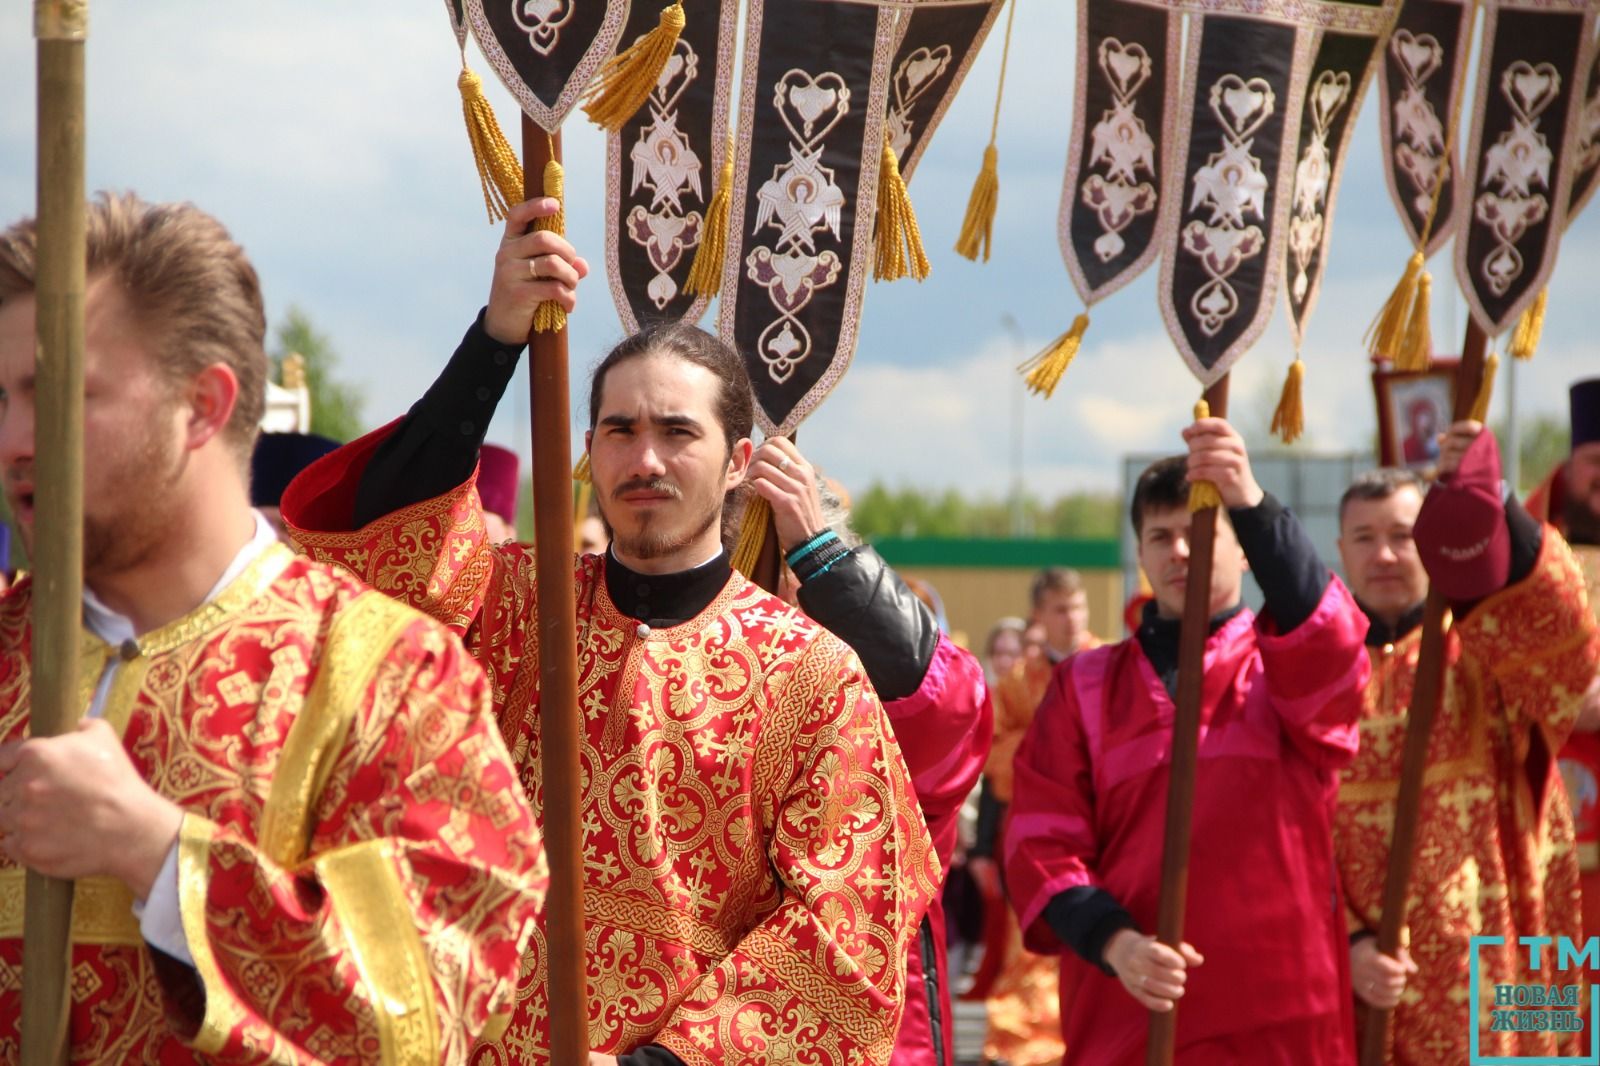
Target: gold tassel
x=624 y=83
x=1480 y=406
x=977 y=228
x=499 y=169
x=580 y=471
x=1416 y=349
x=899 y=251
x=1289 y=420
x=705 y=273
x=549 y=316
x=1203 y=494
x=752 y=534
x=1525 y=339
x=1043 y=372
x=1383 y=337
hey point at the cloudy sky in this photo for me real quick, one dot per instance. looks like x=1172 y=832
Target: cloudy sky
x=329 y=138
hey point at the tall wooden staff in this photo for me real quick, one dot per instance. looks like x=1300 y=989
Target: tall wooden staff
x=1419 y=730
x=1185 y=744
x=60 y=27
x=559 y=728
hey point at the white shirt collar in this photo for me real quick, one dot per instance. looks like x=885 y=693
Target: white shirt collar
x=116 y=629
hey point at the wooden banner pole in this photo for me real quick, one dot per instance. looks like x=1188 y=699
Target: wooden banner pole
x=1185 y=746
x=1425 y=697
x=60 y=28
x=559 y=723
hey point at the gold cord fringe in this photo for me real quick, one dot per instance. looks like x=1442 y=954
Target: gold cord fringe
x=1525 y=338
x=1416 y=348
x=977 y=228
x=752 y=534
x=549 y=316
x=1384 y=336
x=899 y=240
x=1480 y=405
x=499 y=169
x=1289 y=420
x=705 y=273
x=580 y=470
x=1043 y=372
x=1203 y=494
x=625 y=82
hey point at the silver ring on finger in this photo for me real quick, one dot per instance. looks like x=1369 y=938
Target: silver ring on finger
x=1144 y=982
x=785 y=463
x=533 y=269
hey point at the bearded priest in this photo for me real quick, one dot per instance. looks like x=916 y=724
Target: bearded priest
x=755 y=862
x=295 y=831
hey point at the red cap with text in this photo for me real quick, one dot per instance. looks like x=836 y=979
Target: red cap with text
x=1461 y=531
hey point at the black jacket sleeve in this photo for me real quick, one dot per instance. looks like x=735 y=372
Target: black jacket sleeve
x=1085 y=918
x=1283 y=560
x=864 y=603
x=436 y=445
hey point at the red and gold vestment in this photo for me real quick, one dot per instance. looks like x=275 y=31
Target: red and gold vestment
x=357 y=871
x=755 y=862
x=1494 y=853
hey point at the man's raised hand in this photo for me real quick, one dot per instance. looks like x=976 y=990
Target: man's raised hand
x=1217 y=454
x=530 y=267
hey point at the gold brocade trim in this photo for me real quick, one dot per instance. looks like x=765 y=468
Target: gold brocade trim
x=358 y=640
x=381 y=933
x=225 y=607
x=102 y=910
x=1588 y=856
x=223 y=1013
x=1389 y=790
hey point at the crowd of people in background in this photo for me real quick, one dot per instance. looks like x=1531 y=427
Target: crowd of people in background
x=811 y=818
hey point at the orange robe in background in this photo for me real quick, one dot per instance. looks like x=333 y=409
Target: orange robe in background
x=1494 y=853
x=756 y=865
x=358 y=871
x=1025 y=1002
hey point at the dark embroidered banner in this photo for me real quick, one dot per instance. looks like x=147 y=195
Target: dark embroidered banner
x=936 y=47
x=458 y=20
x=1520 y=156
x=1237 y=128
x=1421 y=64
x=1127 y=93
x=811 y=132
x=545 y=51
x=663 y=165
x=1586 y=153
x=1339 y=76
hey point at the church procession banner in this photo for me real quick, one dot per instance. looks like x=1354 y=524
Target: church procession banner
x=660 y=167
x=1217 y=146
x=1524 y=148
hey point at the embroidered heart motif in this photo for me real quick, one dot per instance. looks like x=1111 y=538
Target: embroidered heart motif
x=542 y=10
x=1530 y=89
x=922 y=66
x=1332 y=90
x=1247 y=104
x=1127 y=65
x=811 y=101
x=676 y=76
x=824 y=100
x=1418 y=57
